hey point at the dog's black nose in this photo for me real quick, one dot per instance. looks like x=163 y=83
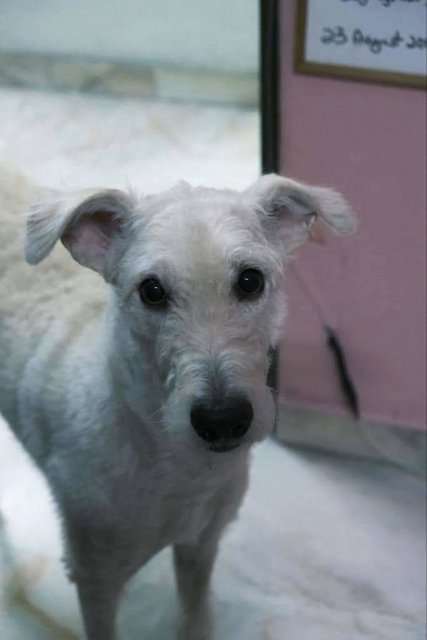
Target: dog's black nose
x=223 y=423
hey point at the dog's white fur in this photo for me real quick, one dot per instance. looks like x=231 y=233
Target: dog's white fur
x=99 y=387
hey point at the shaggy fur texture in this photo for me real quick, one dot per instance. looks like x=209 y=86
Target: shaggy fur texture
x=99 y=386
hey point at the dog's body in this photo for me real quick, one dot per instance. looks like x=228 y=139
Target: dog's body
x=141 y=413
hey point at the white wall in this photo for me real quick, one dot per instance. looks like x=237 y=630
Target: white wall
x=198 y=34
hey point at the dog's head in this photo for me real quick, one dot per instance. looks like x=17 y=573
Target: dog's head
x=197 y=297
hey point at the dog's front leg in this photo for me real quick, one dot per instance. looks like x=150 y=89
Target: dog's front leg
x=98 y=605
x=193 y=568
x=98 y=563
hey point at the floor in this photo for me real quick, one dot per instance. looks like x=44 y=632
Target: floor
x=326 y=548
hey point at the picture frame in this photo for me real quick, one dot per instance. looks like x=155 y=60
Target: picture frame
x=380 y=41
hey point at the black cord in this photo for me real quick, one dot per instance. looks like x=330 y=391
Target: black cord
x=346 y=382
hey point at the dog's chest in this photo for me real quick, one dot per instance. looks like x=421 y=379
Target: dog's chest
x=179 y=520
x=170 y=507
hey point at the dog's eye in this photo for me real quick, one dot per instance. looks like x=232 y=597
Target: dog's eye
x=152 y=293
x=250 y=283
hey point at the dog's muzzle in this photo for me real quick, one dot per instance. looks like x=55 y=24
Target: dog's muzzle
x=224 y=424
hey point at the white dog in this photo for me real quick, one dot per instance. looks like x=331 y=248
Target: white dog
x=140 y=400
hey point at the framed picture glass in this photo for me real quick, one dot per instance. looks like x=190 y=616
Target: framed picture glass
x=368 y=40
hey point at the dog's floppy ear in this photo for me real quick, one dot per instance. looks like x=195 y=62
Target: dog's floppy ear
x=294 y=207
x=87 y=223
